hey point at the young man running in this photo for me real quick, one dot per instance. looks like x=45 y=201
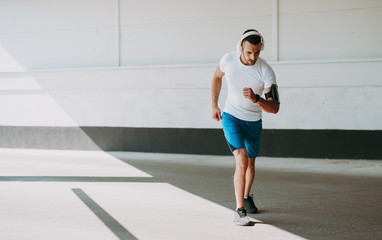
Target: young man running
x=247 y=76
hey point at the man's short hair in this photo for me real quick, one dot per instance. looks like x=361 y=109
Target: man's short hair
x=252 y=39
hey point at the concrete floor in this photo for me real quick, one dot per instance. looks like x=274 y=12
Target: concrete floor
x=49 y=194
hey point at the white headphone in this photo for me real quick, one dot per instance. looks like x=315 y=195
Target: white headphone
x=250 y=33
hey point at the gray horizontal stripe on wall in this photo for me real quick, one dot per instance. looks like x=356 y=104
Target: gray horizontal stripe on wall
x=346 y=144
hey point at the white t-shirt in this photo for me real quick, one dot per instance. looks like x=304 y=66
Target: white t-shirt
x=240 y=76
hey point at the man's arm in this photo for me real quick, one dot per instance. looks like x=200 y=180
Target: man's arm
x=215 y=92
x=267 y=105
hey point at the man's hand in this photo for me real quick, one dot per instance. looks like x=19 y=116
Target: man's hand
x=215 y=92
x=216 y=114
x=248 y=93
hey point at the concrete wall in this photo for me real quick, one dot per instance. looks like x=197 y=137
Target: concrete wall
x=314 y=96
x=148 y=64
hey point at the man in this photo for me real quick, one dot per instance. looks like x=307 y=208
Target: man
x=248 y=76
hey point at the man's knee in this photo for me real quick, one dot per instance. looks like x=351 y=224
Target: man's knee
x=251 y=164
x=241 y=157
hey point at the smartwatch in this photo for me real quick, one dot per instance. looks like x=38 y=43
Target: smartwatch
x=257 y=98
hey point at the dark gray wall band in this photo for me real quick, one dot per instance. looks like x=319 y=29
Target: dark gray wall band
x=346 y=144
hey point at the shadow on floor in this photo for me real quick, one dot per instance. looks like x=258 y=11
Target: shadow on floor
x=311 y=205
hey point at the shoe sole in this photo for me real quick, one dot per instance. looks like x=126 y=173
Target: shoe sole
x=242 y=224
x=252 y=212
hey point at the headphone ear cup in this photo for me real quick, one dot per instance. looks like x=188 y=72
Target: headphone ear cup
x=239 y=47
x=262 y=43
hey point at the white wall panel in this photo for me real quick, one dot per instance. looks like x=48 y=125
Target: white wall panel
x=32 y=109
x=300 y=6
x=328 y=74
x=42 y=34
x=188 y=32
x=351 y=108
x=149 y=97
x=190 y=43
x=150 y=11
x=62 y=49
x=316 y=30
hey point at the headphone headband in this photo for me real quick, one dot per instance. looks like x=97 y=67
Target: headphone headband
x=250 y=33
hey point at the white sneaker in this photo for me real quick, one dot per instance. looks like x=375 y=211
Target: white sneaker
x=240 y=217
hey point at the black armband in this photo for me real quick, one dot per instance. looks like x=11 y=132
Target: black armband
x=274 y=94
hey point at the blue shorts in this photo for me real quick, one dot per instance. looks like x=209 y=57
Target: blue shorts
x=242 y=134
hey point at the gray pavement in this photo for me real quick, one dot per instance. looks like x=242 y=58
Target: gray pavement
x=55 y=194
x=312 y=198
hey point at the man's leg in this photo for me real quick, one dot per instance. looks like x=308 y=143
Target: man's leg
x=253 y=132
x=249 y=176
x=235 y=139
x=241 y=157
